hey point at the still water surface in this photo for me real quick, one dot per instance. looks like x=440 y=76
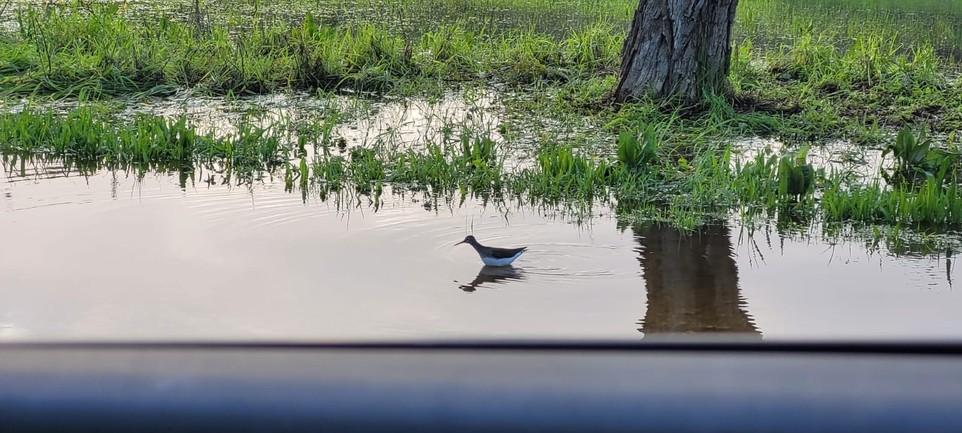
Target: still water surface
x=109 y=257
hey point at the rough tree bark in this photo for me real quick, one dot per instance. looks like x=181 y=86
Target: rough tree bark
x=677 y=48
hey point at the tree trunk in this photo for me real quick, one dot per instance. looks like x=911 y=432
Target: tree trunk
x=677 y=48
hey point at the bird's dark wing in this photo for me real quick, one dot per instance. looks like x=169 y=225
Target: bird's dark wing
x=503 y=253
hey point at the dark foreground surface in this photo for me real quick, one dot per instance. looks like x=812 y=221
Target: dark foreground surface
x=655 y=386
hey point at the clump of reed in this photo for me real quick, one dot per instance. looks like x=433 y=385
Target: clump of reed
x=920 y=188
x=929 y=205
x=89 y=134
x=785 y=185
x=915 y=159
x=468 y=165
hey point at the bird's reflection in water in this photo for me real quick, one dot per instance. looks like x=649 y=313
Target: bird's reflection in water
x=493 y=275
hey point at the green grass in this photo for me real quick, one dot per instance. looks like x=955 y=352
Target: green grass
x=933 y=205
x=832 y=71
x=811 y=89
x=89 y=134
x=104 y=51
x=773 y=23
x=646 y=179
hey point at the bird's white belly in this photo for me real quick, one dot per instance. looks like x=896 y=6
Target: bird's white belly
x=491 y=261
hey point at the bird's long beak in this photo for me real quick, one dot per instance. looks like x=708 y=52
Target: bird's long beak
x=459 y=243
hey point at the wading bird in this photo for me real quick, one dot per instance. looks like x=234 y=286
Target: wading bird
x=492 y=256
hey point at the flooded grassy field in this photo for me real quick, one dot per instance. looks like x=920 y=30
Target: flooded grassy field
x=302 y=170
x=100 y=253
x=151 y=260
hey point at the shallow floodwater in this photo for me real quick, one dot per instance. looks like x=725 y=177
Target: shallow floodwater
x=109 y=257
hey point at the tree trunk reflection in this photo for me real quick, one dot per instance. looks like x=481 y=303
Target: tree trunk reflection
x=692 y=282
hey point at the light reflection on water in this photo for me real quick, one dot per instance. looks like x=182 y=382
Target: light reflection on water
x=111 y=257
x=860 y=161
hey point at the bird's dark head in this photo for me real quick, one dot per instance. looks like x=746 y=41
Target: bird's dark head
x=468 y=240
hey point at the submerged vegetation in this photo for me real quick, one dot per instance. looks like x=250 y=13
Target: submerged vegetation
x=559 y=142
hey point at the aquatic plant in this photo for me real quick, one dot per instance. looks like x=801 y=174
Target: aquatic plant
x=637 y=149
x=755 y=183
x=916 y=159
x=931 y=205
x=796 y=177
x=562 y=173
x=90 y=134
